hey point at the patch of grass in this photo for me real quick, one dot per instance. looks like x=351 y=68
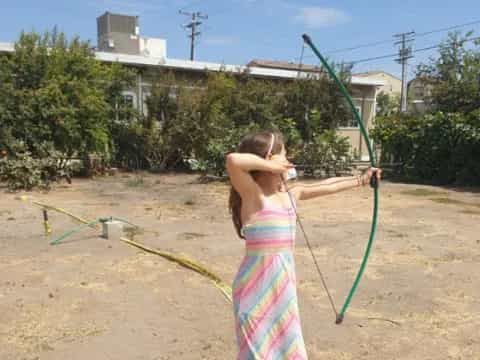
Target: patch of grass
x=423 y=192
x=137 y=181
x=396 y=234
x=441 y=197
x=448 y=201
x=189 y=235
x=445 y=200
x=470 y=212
x=190 y=201
x=131 y=231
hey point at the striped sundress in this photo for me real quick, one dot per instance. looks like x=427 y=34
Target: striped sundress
x=264 y=290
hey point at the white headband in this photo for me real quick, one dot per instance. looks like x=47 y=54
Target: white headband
x=270 y=148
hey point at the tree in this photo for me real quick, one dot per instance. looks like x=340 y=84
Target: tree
x=454 y=75
x=319 y=96
x=55 y=96
x=387 y=104
x=205 y=123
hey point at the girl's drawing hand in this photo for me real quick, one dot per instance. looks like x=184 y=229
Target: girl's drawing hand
x=280 y=164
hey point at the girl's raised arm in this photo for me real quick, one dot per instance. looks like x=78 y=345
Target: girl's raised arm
x=239 y=166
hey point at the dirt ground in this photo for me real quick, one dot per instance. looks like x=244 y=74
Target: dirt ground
x=91 y=298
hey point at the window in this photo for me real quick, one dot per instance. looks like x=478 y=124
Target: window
x=127 y=100
x=125 y=105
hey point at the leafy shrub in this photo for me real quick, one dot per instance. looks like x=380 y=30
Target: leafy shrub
x=327 y=153
x=436 y=148
x=25 y=172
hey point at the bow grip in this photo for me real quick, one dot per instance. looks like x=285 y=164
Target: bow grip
x=374 y=180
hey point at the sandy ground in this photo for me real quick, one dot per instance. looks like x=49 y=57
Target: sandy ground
x=90 y=298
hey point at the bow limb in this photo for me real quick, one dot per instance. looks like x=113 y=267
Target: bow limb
x=373 y=183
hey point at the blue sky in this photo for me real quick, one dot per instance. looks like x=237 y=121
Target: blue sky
x=240 y=30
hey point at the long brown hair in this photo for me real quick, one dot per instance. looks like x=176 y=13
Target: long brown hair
x=257 y=144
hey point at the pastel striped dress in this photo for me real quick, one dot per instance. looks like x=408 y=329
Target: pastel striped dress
x=264 y=290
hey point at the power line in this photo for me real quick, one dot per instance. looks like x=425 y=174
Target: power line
x=438 y=45
x=194 y=2
x=372 y=44
x=381 y=42
x=222 y=11
x=376 y=43
x=448 y=28
x=391 y=56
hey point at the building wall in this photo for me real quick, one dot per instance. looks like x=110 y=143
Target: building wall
x=419 y=95
x=153 y=47
x=392 y=85
x=364 y=98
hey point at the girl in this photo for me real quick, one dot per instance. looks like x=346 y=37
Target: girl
x=264 y=290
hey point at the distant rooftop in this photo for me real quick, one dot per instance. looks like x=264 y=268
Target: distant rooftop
x=258 y=68
x=284 y=65
x=6 y=47
x=375 y=72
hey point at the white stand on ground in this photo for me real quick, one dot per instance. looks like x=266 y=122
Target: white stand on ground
x=112 y=230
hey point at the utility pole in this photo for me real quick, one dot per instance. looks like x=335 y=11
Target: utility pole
x=193 y=25
x=404 y=53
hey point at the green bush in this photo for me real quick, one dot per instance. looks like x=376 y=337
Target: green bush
x=327 y=153
x=53 y=91
x=437 y=148
x=25 y=172
x=212 y=159
x=200 y=126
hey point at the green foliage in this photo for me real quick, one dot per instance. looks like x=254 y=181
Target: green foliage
x=437 y=148
x=199 y=126
x=327 y=152
x=53 y=90
x=213 y=154
x=57 y=92
x=387 y=104
x=26 y=172
x=453 y=76
x=319 y=96
x=55 y=97
x=441 y=147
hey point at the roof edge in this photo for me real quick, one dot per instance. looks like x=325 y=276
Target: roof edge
x=140 y=60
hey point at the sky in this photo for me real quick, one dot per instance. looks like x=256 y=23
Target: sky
x=238 y=31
